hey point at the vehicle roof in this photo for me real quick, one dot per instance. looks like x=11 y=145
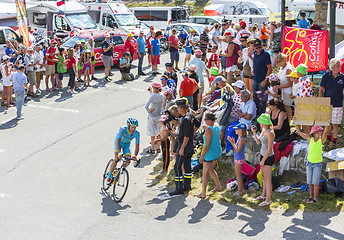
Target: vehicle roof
x=99 y=33
x=69 y=6
x=117 y=7
x=214 y=17
x=156 y=8
x=226 y=2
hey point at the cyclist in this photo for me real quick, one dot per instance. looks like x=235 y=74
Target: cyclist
x=122 y=141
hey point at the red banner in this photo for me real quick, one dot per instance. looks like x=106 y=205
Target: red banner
x=306 y=46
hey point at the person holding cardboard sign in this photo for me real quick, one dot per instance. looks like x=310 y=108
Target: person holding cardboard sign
x=332 y=85
x=316 y=139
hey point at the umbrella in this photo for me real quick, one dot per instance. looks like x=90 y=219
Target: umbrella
x=213 y=9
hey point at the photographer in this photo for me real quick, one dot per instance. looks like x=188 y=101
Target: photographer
x=124 y=65
x=107 y=47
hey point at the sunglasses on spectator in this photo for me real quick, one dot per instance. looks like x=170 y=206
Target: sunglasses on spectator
x=258 y=47
x=242 y=40
x=163 y=79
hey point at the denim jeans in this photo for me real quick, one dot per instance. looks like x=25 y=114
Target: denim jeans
x=313 y=172
x=20 y=95
x=71 y=81
x=261 y=105
x=140 y=62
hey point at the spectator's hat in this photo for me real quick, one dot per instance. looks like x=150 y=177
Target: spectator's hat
x=219 y=79
x=5 y=57
x=156 y=85
x=228 y=33
x=82 y=40
x=112 y=33
x=53 y=41
x=186 y=74
x=242 y=24
x=168 y=65
x=293 y=74
x=129 y=35
x=59 y=40
x=274 y=77
x=302 y=68
x=30 y=49
x=77 y=42
x=88 y=51
x=240 y=84
x=182 y=101
x=192 y=30
x=151 y=27
x=168 y=91
x=242 y=126
x=257 y=42
x=192 y=68
x=316 y=129
x=142 y=31
x=264 y=119
x=225 y=20
x=214 y=71
x=250 y=39
x=198 y=52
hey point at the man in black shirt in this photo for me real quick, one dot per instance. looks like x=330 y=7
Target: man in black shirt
x=170 y=73
x=185 y=148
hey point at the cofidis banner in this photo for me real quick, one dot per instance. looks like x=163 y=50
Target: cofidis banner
x=306 y=46
x=23 y=23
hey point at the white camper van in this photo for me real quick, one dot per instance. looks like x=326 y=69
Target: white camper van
x=114 y=15
x=243 y=7
x=308 y=6
x=63 y=21
x=160 y=17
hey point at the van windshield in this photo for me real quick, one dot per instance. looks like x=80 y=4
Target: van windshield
x=265 y=11
x=127 y=19
x=81 y=21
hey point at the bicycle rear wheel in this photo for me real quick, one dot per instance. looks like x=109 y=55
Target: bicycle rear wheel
x=120 y=186
x=106 y=171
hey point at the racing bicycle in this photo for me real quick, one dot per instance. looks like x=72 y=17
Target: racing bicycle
x=120 y=177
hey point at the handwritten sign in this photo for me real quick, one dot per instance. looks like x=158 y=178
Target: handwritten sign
x=313 y=111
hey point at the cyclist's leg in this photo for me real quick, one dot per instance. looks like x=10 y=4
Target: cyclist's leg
x=127 y=153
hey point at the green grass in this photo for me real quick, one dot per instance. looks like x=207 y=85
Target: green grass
x=196 y=8
x=280 y=201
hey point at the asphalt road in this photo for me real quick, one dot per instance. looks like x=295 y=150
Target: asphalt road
x=51 y=166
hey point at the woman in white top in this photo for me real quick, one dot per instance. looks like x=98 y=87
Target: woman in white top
x=255 y=31
x=246 y=57
x=39 y=59
x=7 y=84
x=285 y=82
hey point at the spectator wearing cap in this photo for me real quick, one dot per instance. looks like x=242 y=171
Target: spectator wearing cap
x=214 y=58
x=90 y=46
x=303 y=23
x=285 y=82
x=200 y=68
x=224 y=41
x=204 y=42
x=305 y=87
x=271 y=92
x=30 y=64
x=214 y=72
x=6 y=94
x=149 y=37
x=170 y=72
x=264 y=34
x=189 y=43
x=124 y=66
x=227 y=26
x=154 y=107
x=51 y=58
x=20 y=56
x=107 y=48
x=243 y=31
x=332 y=85
x=247 y=111
x=19 y=81
x=238 y=87
x=80 y=63
x=232 y=56
x=173 y=48
x=39 y=59
x=261 y=70
x=155 y=49
x=187 y=88
x=141 y=46
x=246 y=58
x=129 y=45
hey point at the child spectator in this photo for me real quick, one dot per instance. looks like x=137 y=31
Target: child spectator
x=61 y=67
x=273 y=81
x=87 y=69
x=187 y=88
x=214 y=72
x=124 y=65
x=239 y=154
x=71 y=64
x=295 y=79
x=6 y=67
x=214 y=58
x=303 y=23
x=316 y=139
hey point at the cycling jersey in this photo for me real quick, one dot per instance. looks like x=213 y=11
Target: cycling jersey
x=126 y=137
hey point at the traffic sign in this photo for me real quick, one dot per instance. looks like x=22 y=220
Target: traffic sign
x=276 y=16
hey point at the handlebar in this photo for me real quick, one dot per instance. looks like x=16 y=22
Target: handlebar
x=136 y=161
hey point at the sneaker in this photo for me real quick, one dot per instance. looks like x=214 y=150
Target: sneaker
x=76 y=88
x=68 y=90
x=107 y=79
x=162 y=171
x=94 y=78
x=39 y=91
x=230 y=153
x=159 y=157
x=158 y=73
x=110 y=74
x=20 y=118
x=73 y=91
x=142 y=74
x=80 y=80
x=153 y=73
x=108 y=180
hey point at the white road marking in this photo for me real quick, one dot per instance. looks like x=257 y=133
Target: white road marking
x=53 y=108
x=138 y=90
x=4 y=195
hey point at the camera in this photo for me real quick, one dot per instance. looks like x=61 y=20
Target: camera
x=169 y=118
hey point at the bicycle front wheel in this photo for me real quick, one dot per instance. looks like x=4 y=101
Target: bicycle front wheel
x=120 y=185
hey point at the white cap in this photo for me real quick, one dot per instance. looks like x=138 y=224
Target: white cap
x=30 y=49
x=240 y=84
x=5 y=57
x=78 y=42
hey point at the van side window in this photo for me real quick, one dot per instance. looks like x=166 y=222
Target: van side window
x=61 y=23
x=142 y=15
x=158 y=15
x=11 y=35
x=95 y=15
x=2 y=37
x=254 y=11
x=98 y=42
x=211 y=21
x=118 y=40
x=39 y=19
x=201 y=20
x=109 y=21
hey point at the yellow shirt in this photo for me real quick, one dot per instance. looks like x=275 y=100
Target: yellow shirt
x=315 y=151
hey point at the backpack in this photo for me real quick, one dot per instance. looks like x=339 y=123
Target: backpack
x=248 y=170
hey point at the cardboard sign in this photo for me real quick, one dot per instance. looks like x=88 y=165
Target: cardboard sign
x=313 y=111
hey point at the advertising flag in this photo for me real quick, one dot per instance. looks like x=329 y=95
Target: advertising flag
x=23 y=23
x=60 y=3
x=306 y=46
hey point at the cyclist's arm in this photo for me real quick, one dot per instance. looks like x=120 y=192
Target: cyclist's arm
x=137 y=148
x=118 y=144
